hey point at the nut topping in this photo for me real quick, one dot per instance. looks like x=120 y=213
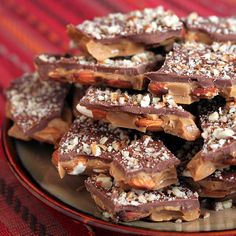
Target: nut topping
x=212 y=24
x=135 y=22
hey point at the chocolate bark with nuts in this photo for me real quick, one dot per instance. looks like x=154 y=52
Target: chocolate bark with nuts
x=219 y=143
x=210 y=29
x=145 y=164
x=171 y=203
x=36 y=107
x=88 y=147
x=118 y=72
x=220 y=184
x=138 y=111
x=126 y=34
x=194 y=70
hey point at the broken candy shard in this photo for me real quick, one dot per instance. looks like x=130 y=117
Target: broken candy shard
x=144 y=164
x=212 y=28
x=125 y=72
x=138 y=111
x=171 y=203
x=219 y=146
x=88 y=146
x=33 y=102
x=195 y=70
x=126 y=34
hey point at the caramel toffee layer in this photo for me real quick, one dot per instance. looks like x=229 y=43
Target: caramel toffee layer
x=216 y=28
x=138 y=111
x=118 y=72
x=33 y=103
x=88 y=140
x=206 y=69
x=145 y=155
x=126 y=34
x=219 y=143
x=135 y=204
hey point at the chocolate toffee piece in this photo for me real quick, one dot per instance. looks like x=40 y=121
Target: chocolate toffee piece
x=138 y=111
x=118 y=72
x=36 y=107
x=219 y=143
x=210 y=29
x=170 y=203
x=88 y=146
x=220 y=184
x=145 y=164
x=126 y=34
x=194 y=70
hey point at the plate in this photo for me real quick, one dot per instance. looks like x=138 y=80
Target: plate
x=31 y=164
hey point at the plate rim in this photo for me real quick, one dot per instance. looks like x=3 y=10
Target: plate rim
x=48 y=199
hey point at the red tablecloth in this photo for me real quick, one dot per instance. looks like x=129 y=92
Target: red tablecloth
x=31 y=27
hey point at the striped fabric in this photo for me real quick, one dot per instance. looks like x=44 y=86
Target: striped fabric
x=31 y=27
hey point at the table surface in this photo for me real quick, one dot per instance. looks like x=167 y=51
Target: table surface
x=32 y=27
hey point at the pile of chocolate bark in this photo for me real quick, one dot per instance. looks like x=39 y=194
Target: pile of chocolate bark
x=145 y=109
